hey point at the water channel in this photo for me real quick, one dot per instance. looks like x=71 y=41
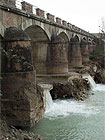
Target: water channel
x=75 y=120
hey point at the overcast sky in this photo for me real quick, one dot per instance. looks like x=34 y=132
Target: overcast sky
x=85 y=14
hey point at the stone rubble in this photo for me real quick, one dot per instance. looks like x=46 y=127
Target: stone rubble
x=76 y=88
x=11 y=133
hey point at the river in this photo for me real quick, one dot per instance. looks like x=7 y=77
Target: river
x=75 y=120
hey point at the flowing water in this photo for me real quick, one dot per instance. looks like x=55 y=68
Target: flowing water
x=73 y=120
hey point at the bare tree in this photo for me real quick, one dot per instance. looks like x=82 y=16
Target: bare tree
x=102 y=26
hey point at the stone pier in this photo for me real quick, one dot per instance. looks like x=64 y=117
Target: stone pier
x=57 y=59
x=75 y=58
x=84 y=51
x=22 y=103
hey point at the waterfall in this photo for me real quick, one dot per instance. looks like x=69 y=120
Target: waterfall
x=49 y=101
x=48 y=98
x=95 y=87
x=92 y=82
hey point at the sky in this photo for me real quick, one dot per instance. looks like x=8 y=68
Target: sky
x=85 y=14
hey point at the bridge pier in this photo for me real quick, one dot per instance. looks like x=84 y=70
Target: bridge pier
x=39 y=43
x=84 y=51
x=75 y=58
x=21 y=104
x=57 y=63
x=91 y=46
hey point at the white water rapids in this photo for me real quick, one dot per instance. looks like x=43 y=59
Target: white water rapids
x=66 y=107
x=74 y=120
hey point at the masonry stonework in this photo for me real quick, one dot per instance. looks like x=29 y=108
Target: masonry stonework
x=75 y=58
x=40 y=12
x=84 y=51
x=58 y=63
x=11 y=3
x=27 y=7
x=22 y=104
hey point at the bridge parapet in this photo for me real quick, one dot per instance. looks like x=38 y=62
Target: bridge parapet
x=64 y=22
x=11 y=3
x=58 y=20
x=40 y=13
x=35 y=11
x=27 y=7
x=50 y=17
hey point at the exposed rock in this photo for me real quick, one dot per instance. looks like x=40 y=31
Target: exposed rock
x=11 y=133
x=95 y=69
x=76 y=88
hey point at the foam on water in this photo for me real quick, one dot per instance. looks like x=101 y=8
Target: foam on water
x=99 y=87
x=66 y=107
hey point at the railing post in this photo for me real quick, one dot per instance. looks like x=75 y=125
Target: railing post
x=50 y=17
x=40 y=12
x=27 y=7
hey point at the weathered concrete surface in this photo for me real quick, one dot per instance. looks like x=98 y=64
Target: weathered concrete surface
x=57 y=57
x=11 y=3
x=16 y=55
x=40 y=31
x=84 y=51
x=39 y=43
x=75 y=57
x=58 y=78
x=0 y=63
x=23 y=103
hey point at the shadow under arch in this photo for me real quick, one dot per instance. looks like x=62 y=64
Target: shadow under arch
x=66 y=40
x=1 y=38
x=39 y=43
x=76 y=38
x=64 y=36
x=74 y=55
x=1 y=56
x=84 y=38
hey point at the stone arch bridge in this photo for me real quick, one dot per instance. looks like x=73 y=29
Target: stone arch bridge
x=32 y=40
x=56 y=44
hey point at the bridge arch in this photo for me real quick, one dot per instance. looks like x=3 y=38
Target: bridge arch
x=2 y=30
x=38 y=24
x=84 y=38
x=89 y=40
x=39 y=43
x=74 y=56
x=64 y=36
x=76 y=37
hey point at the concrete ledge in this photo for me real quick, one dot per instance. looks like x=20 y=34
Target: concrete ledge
x=63 y=78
